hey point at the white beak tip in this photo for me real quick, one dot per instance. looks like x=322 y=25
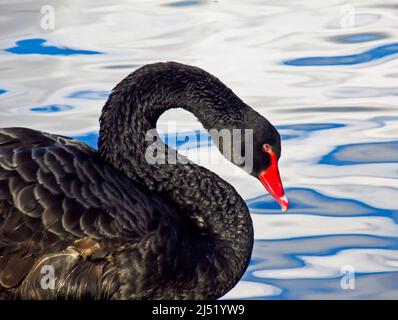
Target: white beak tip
x=284 y=202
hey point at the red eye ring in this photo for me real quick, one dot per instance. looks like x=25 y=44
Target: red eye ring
x=266 y=147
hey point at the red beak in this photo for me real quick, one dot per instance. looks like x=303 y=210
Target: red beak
x=272 y=182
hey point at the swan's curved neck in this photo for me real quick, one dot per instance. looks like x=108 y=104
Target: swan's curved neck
x=132 y=110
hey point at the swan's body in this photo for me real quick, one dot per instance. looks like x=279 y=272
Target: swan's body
x=112 y=226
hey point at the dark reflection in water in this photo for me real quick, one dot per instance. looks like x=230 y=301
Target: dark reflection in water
x=362 y=153
x=363 y=57
x=37 y=46
x=364 y=92
x=359 y=37
x=382 y=121
x=129 y=67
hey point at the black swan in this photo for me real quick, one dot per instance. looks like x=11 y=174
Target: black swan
x=107 y=224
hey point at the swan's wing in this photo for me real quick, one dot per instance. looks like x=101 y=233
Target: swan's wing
x=54 y=192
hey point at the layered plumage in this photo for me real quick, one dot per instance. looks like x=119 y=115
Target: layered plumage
x=113 y=226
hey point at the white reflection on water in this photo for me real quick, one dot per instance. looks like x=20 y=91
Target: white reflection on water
x=362 y=260
x=249 y=290
x=330 y=91
x=295 y=226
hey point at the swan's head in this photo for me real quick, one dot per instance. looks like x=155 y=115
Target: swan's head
x=256 y=148
x=266 y=151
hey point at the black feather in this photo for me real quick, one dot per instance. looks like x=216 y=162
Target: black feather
x=112 y=225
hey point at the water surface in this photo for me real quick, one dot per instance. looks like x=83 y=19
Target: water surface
x=323 y=72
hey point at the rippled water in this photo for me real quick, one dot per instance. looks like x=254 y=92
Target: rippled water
x=324 y=72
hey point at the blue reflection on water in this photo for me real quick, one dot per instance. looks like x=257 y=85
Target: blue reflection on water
x=326 y=288
x=52 y=108
x=2 y=91
x=196 y=139
x=362 y=153
x=359 y=37
x=311 y=202
x=288 y=253
x=37 y=46
x=187 y=3
x=90 y=138
x=89 y=94
x=310 y=126
x=363 y=57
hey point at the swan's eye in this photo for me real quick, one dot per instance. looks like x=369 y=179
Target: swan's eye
x=266 y=147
